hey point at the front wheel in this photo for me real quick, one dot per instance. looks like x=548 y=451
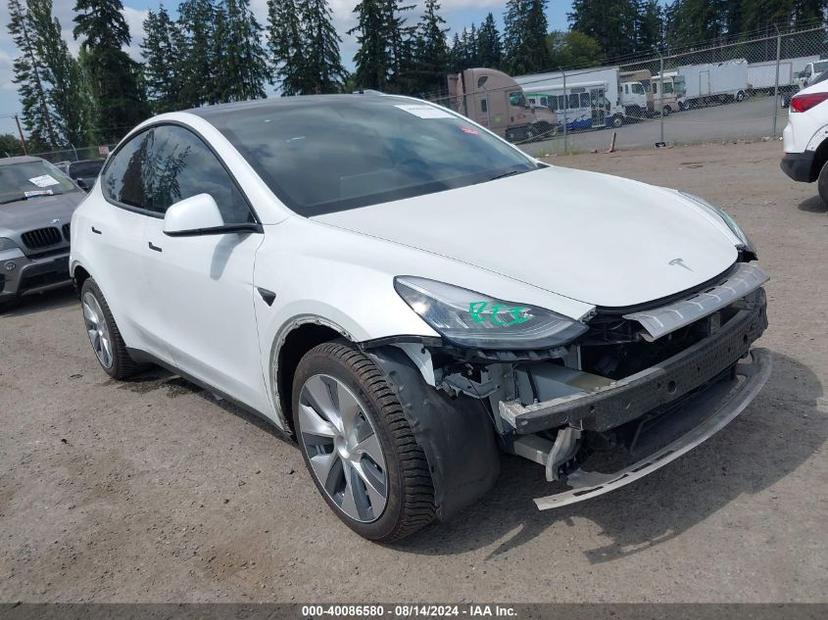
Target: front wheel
x=666 y=111
x=358 y=445
x=617 y=121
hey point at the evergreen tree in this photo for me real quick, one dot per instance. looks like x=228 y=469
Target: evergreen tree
x=160 y=60
x=613 y=23
x=431 y=62
x=372 y=59
x=27 y=68
x=286 y=44
x=384 y=44
x=525 y=37
x=239 y=64
x=456 y=54
x=194 y=42
x=66 y=90
x=648 y=27
x=692 y=22
x=489 y=47
x=323 y=70
x=114 y=77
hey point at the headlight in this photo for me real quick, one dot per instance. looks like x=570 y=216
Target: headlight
x=7 y=244
x=472 y=320
x=746 y=244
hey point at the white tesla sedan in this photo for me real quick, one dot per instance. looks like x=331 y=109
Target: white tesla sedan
x=409 y=296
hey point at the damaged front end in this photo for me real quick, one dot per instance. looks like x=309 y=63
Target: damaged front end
x=633 y=391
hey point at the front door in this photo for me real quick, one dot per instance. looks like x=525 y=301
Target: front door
x=597 y=102
x=200 y=288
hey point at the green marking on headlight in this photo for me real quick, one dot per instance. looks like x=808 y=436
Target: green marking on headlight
x=479 y=314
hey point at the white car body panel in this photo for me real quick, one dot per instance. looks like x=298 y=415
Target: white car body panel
x=626 y=228
x=807 y=130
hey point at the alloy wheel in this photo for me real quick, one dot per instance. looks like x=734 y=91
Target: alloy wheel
x=97 y=329
x=343 y=448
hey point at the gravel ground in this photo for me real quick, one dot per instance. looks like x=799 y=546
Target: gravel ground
x=154 y=491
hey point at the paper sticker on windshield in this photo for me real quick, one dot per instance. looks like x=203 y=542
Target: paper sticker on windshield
x=38 y=192
x=424 y=111
x=44 y=180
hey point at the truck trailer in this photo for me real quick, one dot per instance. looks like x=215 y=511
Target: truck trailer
x=762 y=75
x=718 y=82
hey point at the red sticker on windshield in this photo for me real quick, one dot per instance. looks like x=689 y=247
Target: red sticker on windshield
x=470 y=130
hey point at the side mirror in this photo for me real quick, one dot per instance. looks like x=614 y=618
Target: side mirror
x=192 y=216
x=82 y=184
x=199 y=215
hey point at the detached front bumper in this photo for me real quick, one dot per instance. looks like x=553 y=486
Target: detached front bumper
x=20 y=274
x=704 y=414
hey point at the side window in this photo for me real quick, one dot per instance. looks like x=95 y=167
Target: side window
x=484 y=105
x=668 y=88
x=481 y=82
x=585 y=100
x=122 y=180
x=573 y=101
x=168 y=163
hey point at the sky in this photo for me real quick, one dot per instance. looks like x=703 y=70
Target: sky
x=457 y=13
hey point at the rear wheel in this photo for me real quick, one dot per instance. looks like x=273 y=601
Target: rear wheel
x=617 y=121
x=358 y=445
x=822 y=183
x=666 y=111
x=104 y=336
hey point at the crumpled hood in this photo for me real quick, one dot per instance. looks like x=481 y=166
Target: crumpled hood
x=38 y=212
x=599 y=239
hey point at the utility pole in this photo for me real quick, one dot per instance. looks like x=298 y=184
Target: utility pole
x=20 y=132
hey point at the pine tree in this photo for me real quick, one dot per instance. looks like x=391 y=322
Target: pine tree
x=286 y=43
x=456 y=54
x=525 y=36
x=160 y=60
x=66 y=90
x=489 y=46
x=613 y=23
x=194 y=42
x=384 y=44
x=691 y=22
x=114 y=86
x=27 y=68
x=431 y=60
x=239 y=64
x=323 y=68
x=648 y=27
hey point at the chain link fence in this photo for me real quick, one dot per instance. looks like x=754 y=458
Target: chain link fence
x=727 y=91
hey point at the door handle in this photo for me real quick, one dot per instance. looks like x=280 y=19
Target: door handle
x=154 y=247
x=96 y=231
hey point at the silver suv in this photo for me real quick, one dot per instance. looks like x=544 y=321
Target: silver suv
x=36 y=204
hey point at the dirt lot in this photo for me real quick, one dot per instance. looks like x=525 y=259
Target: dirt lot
x=153 y=491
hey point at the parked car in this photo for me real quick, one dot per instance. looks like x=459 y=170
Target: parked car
x=409 y=295
x=36 y=203
x=805 y=139
x=85 y=172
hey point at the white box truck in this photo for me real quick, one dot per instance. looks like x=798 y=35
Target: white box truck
x=719 y=82
x=762 y=75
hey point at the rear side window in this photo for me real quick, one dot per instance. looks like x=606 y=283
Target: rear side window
x=165 y=164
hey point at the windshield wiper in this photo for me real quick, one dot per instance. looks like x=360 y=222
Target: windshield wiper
x=511 y=173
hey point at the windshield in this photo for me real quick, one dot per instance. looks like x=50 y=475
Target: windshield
x=637 y=88
x=31 y=179
x=328 y=154
x=819 y=67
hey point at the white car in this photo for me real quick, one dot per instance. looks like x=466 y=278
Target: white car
x=409 y=295
x=806 y=137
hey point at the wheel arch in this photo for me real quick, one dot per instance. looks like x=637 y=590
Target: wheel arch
x=820 y=159
x=79 y=275
x=294 y=340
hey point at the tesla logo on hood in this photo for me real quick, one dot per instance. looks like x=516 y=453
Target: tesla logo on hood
x=679 y=262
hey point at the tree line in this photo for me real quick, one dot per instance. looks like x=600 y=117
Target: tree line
x=215 y=51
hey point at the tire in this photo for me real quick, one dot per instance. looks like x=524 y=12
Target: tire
x=740 y=96
x=617 y=121
x=666 y=111
x=9 y=304
x=822 y=184
x=390 y=462
x=102 y=330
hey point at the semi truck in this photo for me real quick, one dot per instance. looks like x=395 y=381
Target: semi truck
x=496 y=101
x=718 y=82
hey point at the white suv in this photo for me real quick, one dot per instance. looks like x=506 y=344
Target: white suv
x=806 y=137
x=409 y=295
